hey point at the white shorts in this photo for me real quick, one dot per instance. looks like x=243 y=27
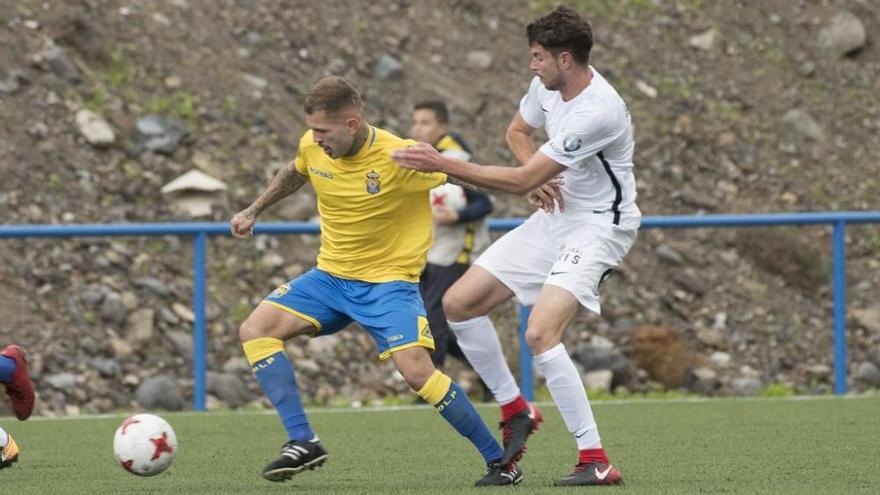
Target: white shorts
x=576 y=254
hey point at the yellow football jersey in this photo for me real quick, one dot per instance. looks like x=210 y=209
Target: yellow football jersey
x=375 y=216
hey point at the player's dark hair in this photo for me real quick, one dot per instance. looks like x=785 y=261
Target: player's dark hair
x=563 y=30
x=332 y=95
x=441 y=113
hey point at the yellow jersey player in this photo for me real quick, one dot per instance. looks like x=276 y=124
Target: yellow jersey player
x=375 y=233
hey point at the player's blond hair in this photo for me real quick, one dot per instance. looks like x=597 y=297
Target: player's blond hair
x=333 y=95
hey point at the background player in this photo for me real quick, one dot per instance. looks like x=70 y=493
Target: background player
x=459 y=235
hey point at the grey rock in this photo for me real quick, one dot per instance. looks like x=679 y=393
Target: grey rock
x=62 y=381
x=228 y=388
x=324 y=345
x=388 y=68
x=843 y=35
x=106 y=367
x=61 y=65
x=720 y=359
x=168 y=316
x=669 y=255
x=868 y=318
x=236 y=364
x=113 y=309
x=705 y=380
x=88 y=345
x=154 y=285
x=705 y=40
x=689 y=281
x=254 y=38
x=182 y=342
x=255 y=81
x=804 y=124
x=94 y=128
x=598 y=380
x=711 y=337
x=159 y=134
x=12 y=81
x=479 y=59
x=746 y=386
x=818 y=370
x=595 y=357
x=159 y=392
x=868 y=373
x=337 y=66
x=720 y=321
x=140 y=326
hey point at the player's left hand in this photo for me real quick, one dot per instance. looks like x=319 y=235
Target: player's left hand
x=422 y=157
x=445 y=216
x=548 y=196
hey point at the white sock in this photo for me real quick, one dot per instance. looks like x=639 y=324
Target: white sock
x=570 y=396
x=479 y=342
x=4 y=438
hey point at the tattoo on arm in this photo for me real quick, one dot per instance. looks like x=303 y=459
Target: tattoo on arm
x=285 y=182
x=467 y=185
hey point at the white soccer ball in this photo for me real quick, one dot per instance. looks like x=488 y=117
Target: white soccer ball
x=145 y=444
x=448 y=196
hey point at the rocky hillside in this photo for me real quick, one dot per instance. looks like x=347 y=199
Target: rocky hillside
x=739 y=107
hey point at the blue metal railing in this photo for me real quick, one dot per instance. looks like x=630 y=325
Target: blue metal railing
x=200 y=232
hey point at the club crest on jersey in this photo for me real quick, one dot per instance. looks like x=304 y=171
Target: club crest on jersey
x=571 y=143
x=280 y=291
x=373 y=182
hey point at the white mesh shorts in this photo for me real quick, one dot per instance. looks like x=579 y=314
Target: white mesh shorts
x=575 y=252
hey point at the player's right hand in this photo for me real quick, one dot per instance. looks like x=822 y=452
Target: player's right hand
x=242 y=224
x=548 y=196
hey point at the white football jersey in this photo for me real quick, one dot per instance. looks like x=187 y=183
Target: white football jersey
x=592 y=136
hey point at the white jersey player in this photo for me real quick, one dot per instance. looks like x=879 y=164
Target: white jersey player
x=582 y=178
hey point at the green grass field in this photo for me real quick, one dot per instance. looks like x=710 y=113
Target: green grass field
x=827 y=445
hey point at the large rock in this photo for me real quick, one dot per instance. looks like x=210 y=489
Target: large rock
x=479 y=59
x=845 y=34
x=94 y=128
x=159 y=134
x=140 y=326
x=662 y=352
x=113 y=309
x=182 y=342
x=746 y=386
x=159 y=392
x=593 y=357
x=804 y=124
x=598 y=380
x=60 y=64
x=388 y=68
x=868 y=318
x=228 y=388
x=106 y=367
x=868 y=373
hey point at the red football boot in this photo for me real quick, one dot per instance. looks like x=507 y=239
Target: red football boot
x=20 y=389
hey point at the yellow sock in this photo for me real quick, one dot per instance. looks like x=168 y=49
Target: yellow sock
x=435 y=388
x=259 y=349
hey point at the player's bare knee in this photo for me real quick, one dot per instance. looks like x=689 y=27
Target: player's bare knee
x=539 y=340
x=457 y=308
x=415 y=365
x=416 y=379
x=250 y=331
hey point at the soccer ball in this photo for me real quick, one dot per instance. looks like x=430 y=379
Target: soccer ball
x=145 y=444
x=448 y=196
